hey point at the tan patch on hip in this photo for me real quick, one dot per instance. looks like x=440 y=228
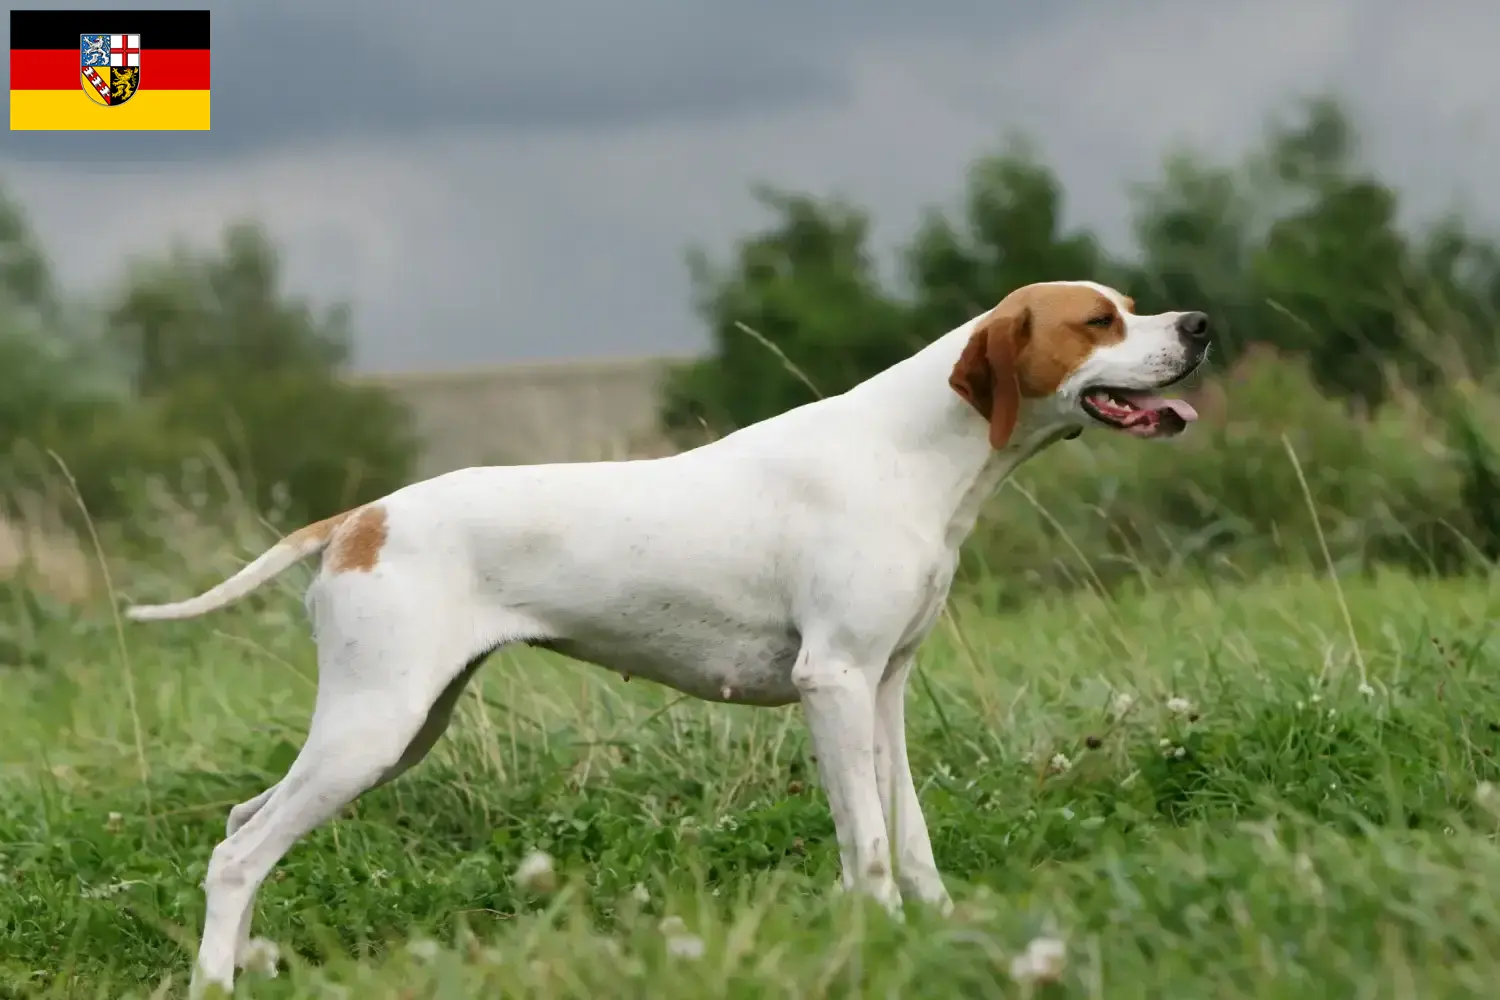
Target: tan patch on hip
x=357 y=545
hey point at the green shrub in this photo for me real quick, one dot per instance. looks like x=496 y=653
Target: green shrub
x=200 y=359
x=293 y=442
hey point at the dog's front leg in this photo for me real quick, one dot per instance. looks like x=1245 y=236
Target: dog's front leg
x=916 y=869
x=838 y=698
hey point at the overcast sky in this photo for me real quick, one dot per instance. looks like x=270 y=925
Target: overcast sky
x=488 y=181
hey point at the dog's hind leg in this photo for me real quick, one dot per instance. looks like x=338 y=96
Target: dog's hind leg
x=436 y=723
x=245 y=811
x=383 y=700
x=248 y=951
x=350 y=747
x=432 y=730
x=346 y=752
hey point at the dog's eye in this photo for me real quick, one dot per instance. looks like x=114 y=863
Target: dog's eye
x=1105 y=320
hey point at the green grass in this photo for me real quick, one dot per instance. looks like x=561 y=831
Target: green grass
x=1301 y=831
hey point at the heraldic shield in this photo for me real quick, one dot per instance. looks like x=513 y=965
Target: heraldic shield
x=111 y=67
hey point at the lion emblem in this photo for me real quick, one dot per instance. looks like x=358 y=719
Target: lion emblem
x=122 y=84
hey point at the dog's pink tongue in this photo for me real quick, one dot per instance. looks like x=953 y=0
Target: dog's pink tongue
x=1181 y=407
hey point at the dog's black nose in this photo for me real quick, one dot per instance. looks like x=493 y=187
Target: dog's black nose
x=1193 y=327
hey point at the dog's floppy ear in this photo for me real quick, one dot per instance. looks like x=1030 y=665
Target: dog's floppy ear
x=986 y=376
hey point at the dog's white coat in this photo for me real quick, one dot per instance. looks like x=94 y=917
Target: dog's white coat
x=803 y=558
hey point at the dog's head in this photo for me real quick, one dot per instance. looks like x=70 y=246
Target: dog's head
x=1074 y=354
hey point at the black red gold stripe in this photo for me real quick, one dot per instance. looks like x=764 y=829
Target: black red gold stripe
x=59 y=29
x=57 y=69
x=46 y=74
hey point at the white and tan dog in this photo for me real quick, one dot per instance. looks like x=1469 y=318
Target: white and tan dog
x=801 y=559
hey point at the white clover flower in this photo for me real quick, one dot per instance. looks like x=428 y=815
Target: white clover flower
x=689 y=946
x=1179 y=706
x=1042 y=961
x=260 y=955
x=535 y=873
x=108 y=889
x=1487 y=796
x=1060 y=764
x=681 y=943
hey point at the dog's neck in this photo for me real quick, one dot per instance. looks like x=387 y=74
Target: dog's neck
x=943 y=441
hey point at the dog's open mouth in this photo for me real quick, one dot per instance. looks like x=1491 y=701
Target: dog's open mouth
x=1138 y=413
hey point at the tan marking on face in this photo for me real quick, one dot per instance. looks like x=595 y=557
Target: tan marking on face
x=1028 y=346
x=318 y=532
x=357 y=546
x=1063 y=332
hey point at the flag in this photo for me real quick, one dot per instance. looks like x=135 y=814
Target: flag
x=82 y=70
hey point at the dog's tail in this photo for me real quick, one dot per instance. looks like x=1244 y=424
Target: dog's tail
x=277 y=559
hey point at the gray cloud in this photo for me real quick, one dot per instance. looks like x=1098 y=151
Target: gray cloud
x=315 y=69
x=560 y=233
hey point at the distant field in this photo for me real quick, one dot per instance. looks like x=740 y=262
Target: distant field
x=1295 y=830
x=546 y=412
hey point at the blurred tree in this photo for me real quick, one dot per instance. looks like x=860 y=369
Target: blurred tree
x=1302 y=248
x=227 y=359
x=24 y=275
x=1333 y=263
x=57 y=390
x=1460 y=295
x=807 y=285
x=1011 y=234
x=221 y=315
x=1299 y=247
x=1194 y=227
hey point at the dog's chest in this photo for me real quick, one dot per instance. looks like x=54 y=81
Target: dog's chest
x=927 y=601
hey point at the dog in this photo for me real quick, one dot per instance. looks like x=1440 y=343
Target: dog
x=800 y=559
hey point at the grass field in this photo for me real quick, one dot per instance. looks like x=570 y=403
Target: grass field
x=1293 y=804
